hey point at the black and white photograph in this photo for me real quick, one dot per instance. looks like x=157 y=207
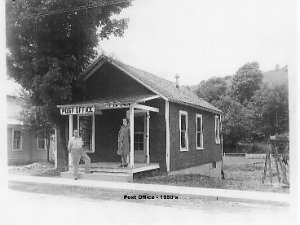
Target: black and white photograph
x=149 y=112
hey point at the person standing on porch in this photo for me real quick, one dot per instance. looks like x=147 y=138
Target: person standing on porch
x=123 y=143
x=75 y=147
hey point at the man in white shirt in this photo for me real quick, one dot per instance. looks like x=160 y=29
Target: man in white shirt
x=75 y=147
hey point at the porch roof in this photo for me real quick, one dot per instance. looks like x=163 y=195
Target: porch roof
x=121 y=100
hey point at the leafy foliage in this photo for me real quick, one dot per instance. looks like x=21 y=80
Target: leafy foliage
x=35 y=118
x=212 y=89
x=46 y=54
x=271 y=111
x=245 y=82
x=251 y=111
x=237 y=120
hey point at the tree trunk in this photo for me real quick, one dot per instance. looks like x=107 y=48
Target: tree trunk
x=62 y=152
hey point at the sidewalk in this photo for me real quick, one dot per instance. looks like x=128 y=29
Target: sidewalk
x=217 y=194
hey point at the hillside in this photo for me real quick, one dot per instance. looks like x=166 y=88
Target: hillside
x=274 y=77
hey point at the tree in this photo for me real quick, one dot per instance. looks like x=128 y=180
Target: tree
x=50 y=42
x=271 y=111
x=245 y=82
x=36 y=120
x=237 y=121
x=212 y=89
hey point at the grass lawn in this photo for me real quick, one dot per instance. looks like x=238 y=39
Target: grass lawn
x=240 y=174
x=35 y=169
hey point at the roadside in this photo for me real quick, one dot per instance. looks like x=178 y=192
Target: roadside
x=184 y=201
x=209 y=193
x=43 y=169
x=240 y=174
x=32 y=208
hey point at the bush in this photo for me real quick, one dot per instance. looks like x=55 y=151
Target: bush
x=254 y=148
x=258 y=148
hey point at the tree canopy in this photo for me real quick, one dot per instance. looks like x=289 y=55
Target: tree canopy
x=245 y=82
x=52 y=50
x=50 y=42
x=251 y=111
x=271 y=111
x=212 y=89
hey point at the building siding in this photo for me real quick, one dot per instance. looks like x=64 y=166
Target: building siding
x=107 y=127
x=184 y=159
x=157 y=132
x=29 y=152
x=106 y=134
x=108 y=81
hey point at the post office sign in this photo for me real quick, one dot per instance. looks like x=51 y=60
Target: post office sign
x=74 y=110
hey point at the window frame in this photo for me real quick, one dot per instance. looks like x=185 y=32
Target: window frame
x=198 y=115
x=93 y=130
x=21 y=141
x=37 y=144
x=135 y=141
x=217 y=128
x=181 y=112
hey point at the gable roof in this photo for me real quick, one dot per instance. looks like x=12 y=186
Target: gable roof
x=166 y=89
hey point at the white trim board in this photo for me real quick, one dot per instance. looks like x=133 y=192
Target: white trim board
x=167 y=120
x=181 y=112
x=21 y=141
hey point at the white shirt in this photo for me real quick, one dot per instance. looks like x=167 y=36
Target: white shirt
x=75 y=143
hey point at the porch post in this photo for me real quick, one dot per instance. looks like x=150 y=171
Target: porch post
x=131 y=123
x=70 y=134
x=55 y=147
x=167 y=120
x=147 y=137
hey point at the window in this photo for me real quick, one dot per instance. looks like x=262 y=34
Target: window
x=139 y=127
x=199 y=132
x=41 y=142
x=214 y=165
x=87 y=131
x=183 y=127
x=17 y=141
x=138 y=141
x=217 y=129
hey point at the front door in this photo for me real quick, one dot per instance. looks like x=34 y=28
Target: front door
x=140 y=137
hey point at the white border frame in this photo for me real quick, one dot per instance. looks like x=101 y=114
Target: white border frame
x=217 y=138
x=12 y=141
x=187 y=130
x=201 y=133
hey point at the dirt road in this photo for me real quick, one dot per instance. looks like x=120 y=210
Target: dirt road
x=37 y=202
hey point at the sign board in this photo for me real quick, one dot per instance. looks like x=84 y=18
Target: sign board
x=116 y=105
x=74 y=110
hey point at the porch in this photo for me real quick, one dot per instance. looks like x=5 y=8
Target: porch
x=110 y=171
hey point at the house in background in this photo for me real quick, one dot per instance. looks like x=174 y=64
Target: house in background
x=170 y=127
x=23 y=146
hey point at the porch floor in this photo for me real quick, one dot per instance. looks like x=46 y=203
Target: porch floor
x=113 y=167
x=110 y=171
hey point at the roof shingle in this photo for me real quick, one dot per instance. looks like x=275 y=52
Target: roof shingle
x=162 y=86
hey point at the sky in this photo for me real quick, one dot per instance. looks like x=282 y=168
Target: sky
x=200 y=39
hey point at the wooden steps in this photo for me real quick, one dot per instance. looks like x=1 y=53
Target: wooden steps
x=103 y=176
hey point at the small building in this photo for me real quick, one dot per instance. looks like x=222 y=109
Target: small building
x=23 y=146
x=169 y=125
